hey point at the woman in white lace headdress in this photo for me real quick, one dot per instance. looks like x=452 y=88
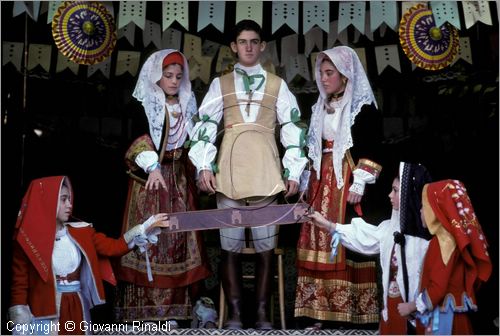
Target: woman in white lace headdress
x=345 y=126
x=162 y=179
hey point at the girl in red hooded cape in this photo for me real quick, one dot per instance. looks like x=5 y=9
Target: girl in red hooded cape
x=455 y=265
x=58 y=266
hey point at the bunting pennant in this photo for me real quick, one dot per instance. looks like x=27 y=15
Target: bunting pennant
x=12 y=52
x=128 y=32
x=406 y=5
x=199 y=67
x=313 y=38
x=352 y=12
x=383 y=12
x=39 y=54
x=334 y=35
x=192 y=46
x=387 y=56
x=63 y=62
x=210 y=48
x=104 y=67
x=171 y=39
x=313 y=57
x=32 y=8
x=132 y=11
x=224 y=59
x=446 y=11
x=251 y=10
x=152 y=33
x=368 y=32
x=211 y=12
x=269 y=57
x=362 y=57
x=289 y=47
x=127 y=61
x=476 y=11
x=285 y=12
x=316 y=13
x=297 y=65
x=175 y=11
x=52 y=9
x=464 y=51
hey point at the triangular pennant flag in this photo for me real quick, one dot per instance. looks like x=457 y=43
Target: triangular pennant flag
x=211 y=12
x=171 y=39
x=12 y=52
x=128 y=32
x=200 y=68
x=289 y=47
x=446 y=11
x=175 y=11
x=127 y=61
x=476 y=11
x=132 y=11
x=192 y=46
x=52 y=9
x=297 y=65
x=406 y=5
x=316 y=13
x=270 y=53
x=63 y=62
x=464 y=51
x=104 y=67
x=362 y=57
x=39 y=54
x=352 y=12
x=249 y=10
x=210 y=48
x=387 y=56
x=152 y=33
x=313 y=38
x=383 y=12
x=334 y=35
x=285 y=12
x=368 y=32
x=32 y=8
x=224 y=58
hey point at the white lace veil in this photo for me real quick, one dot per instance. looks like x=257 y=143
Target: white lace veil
x=357 y=93
x=152 y=97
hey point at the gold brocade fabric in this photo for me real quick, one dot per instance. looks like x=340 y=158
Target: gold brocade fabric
x=341 y=289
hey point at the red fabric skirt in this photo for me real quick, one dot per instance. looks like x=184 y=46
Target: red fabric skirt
x=71 y=310
x=395 y=324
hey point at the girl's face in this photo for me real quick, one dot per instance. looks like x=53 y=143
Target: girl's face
x=171 y=79
x=331 y=79
x=65 y=207
x=394 y=194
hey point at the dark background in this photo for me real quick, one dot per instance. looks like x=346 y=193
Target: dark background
x=446 y=120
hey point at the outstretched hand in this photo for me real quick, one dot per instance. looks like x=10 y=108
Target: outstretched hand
x=318 y=219
x=160 y=221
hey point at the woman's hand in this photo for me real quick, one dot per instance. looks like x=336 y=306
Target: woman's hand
x=206 y=181
x=406 y=308
x=155 y=179
x=318 y=219
x=354 y=198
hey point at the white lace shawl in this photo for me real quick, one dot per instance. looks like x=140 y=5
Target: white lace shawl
x=152 y=97
x=357 y=93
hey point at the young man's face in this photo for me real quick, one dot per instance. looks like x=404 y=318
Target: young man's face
x=248 y=46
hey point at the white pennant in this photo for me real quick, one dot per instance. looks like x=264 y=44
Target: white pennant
x=313 y=38
x=39 y=54
x=152 y=33
x=127 y=61
x=128 y=32
x=289 y=47
x=316 y=13
x=334 y=35
x=63 y=62
x=476 y=11
x=368 y=32
x=446 y=11
x=249 y=10
x=211 y=12
x=171 y=39
x=224 y=58
x=269 y=57
x=175 y=11
x=297 y=65
x=464 y=51
x=132 y=11
x=285 y=12
x=104 y=67
x=192 y=46
x=12 y=52
x=387 y=56
x=32 y=8
x=383 y=12
x=52 y=9
x=352 y=12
